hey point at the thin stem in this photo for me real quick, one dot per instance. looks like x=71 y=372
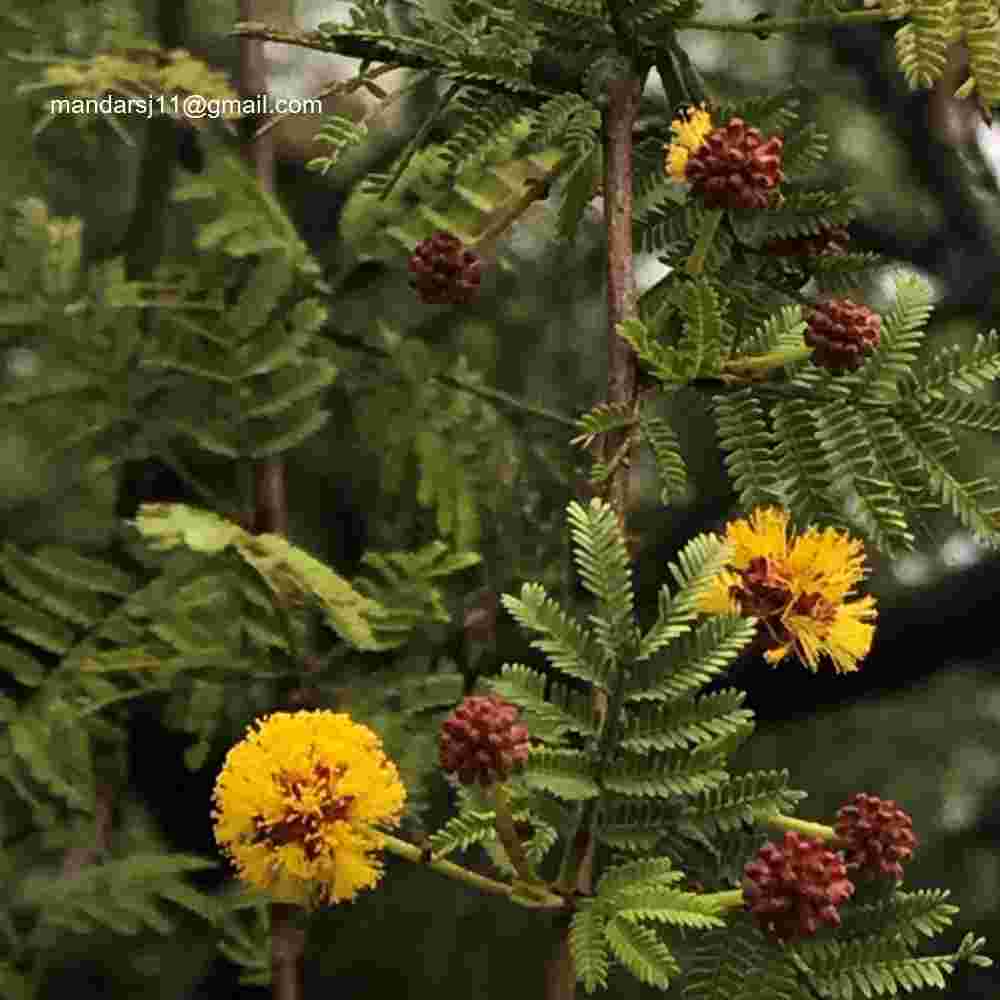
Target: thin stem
x=270 y=510
x=339 y=88
x=730 y=899
x=774 y=24
x=417 y=142
x=761 y=366
x=542 y=900
x=288 y=942
x=270 y=502
x=623 y=99
x=548 y=79
x=623 y=107
x=347 y=46
x=465 y=385
x=535 y=189
x=816 y=831
x=504 y=823
x=506 y=399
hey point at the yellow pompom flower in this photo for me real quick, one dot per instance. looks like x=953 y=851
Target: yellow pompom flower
x=690 y=131
x=296 y=803
x=797 y=588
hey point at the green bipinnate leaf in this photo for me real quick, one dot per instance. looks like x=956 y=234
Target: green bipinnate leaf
x=289 y=571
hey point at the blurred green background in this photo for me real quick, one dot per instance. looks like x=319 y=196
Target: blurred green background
x=920 y=723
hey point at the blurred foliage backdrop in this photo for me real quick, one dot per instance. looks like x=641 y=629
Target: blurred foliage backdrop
x=920 y=722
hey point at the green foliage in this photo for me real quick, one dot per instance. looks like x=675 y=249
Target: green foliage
x=246 y=940
x=880 y=439
x=698 y=563
x=406 y=596
x=670 y=467
x=201 y=621
x=667 y=748
x=125 y=895
x=873 y=955
x=736 y=964
x=548 y=715
x=446 y=187
x=978 y=19
x=588 y=946
x=627 y=895
x=744 y=799
x=684 y=721
x=693 y=661
x=605 y=570
x=641 y=952
x=339 y=133
x=571 y=123
x=908 y=914
x=55 y=598
x=562 y=773
x=571 y=649
x=627 y=746
x=250 y=359
x=782 y=331
x=405 y=704
x=452 y=442
x=700 y=338
x=291 y=573
x=922 y=43
x=749 y=445
x=841 y=969
x=656 y=767
x=485 y=118
x=475 y=823
x=466 y=828
x=802 y=462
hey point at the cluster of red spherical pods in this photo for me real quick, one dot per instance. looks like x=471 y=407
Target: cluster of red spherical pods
x=795 y=886
x=791 y=887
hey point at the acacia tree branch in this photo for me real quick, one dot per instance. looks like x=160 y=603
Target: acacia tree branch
x=517 y=406
x=623 y=99
x=551 y=73
x=764 y=26
x=270 y=504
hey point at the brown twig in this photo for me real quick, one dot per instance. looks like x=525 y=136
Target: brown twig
x=270 y=502
x=623 y=385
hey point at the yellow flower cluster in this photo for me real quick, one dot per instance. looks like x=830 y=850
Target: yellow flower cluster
x=690 y=131
x=797 y=588
x=296 y=803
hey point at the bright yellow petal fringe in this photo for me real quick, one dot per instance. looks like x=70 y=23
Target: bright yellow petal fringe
x=318 y=779
x=824 y=562
x=690 y=131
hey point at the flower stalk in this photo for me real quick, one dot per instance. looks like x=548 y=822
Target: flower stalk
x=538 y=898
x=504 y=824
x=270 y=513
x=815 y=831
x=762 y=366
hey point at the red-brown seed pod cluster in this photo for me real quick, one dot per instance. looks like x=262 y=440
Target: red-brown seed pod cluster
x=793 y=887
x=482 y=740
x=830 y=240
x=444 y=272
x=841 y=334
x=735 y=167
x=878 y=834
